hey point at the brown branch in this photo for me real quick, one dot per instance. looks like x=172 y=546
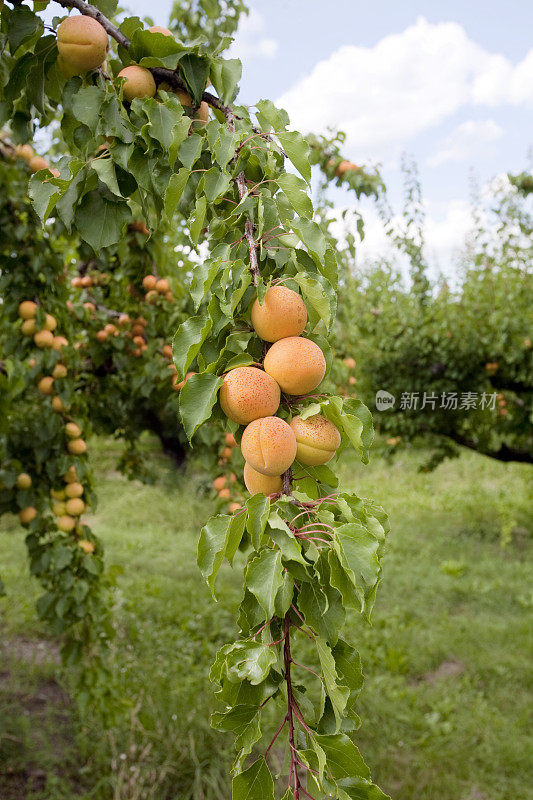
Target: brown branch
x=92 y=11
x=249 y=232
x=294 y=778
x=286 y=479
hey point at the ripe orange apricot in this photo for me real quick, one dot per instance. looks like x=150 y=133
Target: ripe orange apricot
x=65 y=523
x=149 y=282
x=82 y=43
x=37 y=163
x=224 y=494
x=24 y=151
x=257 y=483
x=27 y=309
x=269 y=445
x=57 y=404
x=101 y=336
x=59 y=342
x=44 y=338
x=27 y=514
x=247 y=394
x=86 y=546
x=162 y=286
x=74 y=489
x=28 y=327
x=219 y=482
x=317 y=439
x=349 y=362
x=160 y=29
x=282 y=314
x=230 y=440
x=296 y=364
x=46 y=386
x=75 y=506
x=70 y=476
x=23 y=481
x=234 y=507
x=50 y=323
x=139 y=82
x=76 y=447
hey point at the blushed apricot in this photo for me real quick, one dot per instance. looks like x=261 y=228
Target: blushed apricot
x=296 y=364
x=149 y=282
x=282 y=314
x=224 y=494
x=317 y=439
x=57 y=404
x=269 y=445
x=248 y=393
x=75 y=506
x=349 y=362
x=72 y=430
x=37 y=163
x=23 y=481
x=77 y=447
x=229 y=439
x=82 y=43
x=59 y=342
x=70 y=476
x=50 y=323
x=66 y=523
x=59 y=371
x=44 y=338
x=219 y=483
x=74 y=490
x=86 y=546
x=257 y=483
x=139 y=82
x=28 y=327
x=234 y=507
x=162 y=286
x=46 y=386
x=160 y=29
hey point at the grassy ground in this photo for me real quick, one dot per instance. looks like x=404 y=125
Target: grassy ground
x=447 y=704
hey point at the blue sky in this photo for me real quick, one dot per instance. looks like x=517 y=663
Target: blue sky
x=449 y=82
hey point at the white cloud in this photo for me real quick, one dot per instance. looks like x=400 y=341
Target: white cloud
x=249 y=42
x=384 y=95
x=469 y=140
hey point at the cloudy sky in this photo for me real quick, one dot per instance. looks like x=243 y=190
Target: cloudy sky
x=449 y=81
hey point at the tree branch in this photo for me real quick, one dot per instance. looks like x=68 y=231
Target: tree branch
x=249 y=232
x=92 y=11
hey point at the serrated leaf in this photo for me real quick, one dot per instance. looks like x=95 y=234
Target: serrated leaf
x=258 y=509
x=255 y=783
x=295 y=190
x=343 y=759
x=297 y=150
x=105 y=169
x=219 y=539
x=319 y=295
x=100 y=221
x=175 y=189
x=225 y=75
x=196 y=226
x=188 y=340
x=189 y=150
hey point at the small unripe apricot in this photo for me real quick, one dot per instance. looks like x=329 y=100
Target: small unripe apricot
x=59 y=342
x=74 y=490
x=247 y=394
x=219 y=482
x=86 y=546
x=31 y=363
x=66 y=523
x=82 y=43
x=124 y=320
x=37 y=163
x=234 y=507
x=139 y=82
x=23 y=481
x=269 y=445
x=72 y=430
x=169 y=297
x=77 y=447
x=317 y=439
x=57 y=404
x=58 y=509
x=229 y=438
x=46 y=386
x=28 y=327
x=296 y=364
x=224 y=494
x=27 y=309
x=75 y=506
x=349 y=362
x=58 y=494
x=27 y=514
x=70 y=476
x=44 y=338
x=160 y=29
x=257 y=483
x=139 y=341
x=149 y=282
x=25 y=151
x=162 y=286
x=50 y=323
x=203 y=113
x=184 y=98
x=282 y=314
x=60 y=371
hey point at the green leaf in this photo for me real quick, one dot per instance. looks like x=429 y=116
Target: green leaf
x=100 y=221
x=322 y=609
x=224 y=146
x=320 y=295
x=195 y=70
x=244 y=722
x=295 y=190
x=255 y=783
x=105 y=169
x=263 y=577
x=22 y=25
x=258 y=509
x=180 y=131
x=343 y=759
x=337 y=694
x=188 y=340
x=219 y=539
x=297 y=150
x=196 y=226
x=216 y=183
x=270 y=117
x=175 y=188
x=189 y=151
x=162 y=118
x=225 y=75
x=87 y=104
x=197 y=399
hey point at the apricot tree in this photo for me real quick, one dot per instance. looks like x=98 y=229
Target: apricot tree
x=312 y=551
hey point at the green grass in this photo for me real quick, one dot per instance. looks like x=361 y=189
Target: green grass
x=446 y=708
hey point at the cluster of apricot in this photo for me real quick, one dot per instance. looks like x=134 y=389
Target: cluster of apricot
x=43 y=333
x=226 y=485
x=342 y=167
x=86 y=281
x=68 y=503
x=251 y=396
x=502 y=405
x=35 y=162
x=155 y=288
x=83 y=44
